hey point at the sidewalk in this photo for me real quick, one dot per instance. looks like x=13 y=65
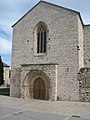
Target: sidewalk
x=56 y=107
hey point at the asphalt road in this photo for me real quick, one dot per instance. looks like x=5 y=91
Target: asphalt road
x=7 y=113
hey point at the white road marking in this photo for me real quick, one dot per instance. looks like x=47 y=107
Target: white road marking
x=15 y=113
x=6 y=116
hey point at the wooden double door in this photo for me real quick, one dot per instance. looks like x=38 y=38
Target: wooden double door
x=39 y=89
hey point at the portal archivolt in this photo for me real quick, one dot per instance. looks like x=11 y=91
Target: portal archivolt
x=36 y=85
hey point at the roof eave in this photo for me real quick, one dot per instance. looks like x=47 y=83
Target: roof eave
x=25 y=14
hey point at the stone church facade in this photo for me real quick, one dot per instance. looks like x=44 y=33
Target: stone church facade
x=51 y=55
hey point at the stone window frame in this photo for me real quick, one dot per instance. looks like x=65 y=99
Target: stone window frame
x=86 y=83
x=40 y=28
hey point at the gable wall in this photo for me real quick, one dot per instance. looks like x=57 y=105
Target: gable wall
x=61 y=48
x=63 y=35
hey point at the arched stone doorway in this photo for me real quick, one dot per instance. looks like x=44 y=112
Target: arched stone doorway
x=39 y=89
x=36 y=85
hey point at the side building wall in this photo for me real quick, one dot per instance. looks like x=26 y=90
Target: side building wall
x=84 y=77
x=80 y=45
x=6 y=75
x=86 y=43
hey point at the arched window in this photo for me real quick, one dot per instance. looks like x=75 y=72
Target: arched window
x=41 y=38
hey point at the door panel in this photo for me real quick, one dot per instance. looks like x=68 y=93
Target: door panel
x=39 y=89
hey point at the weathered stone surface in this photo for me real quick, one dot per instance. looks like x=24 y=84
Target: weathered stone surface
x=15 y=82
x=86 y=42
x=64 y=48
x=84 y=85
x=45 y=71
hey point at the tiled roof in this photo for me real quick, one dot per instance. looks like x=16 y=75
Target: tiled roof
x=5 y=65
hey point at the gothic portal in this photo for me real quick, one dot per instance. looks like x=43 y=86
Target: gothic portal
x=36 y=86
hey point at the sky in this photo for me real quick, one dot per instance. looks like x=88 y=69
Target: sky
x=13 y=10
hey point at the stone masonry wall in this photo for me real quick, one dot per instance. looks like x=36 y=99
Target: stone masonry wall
x=80 y=45
x=86 y=42
x=62 y=43
x=15 y=82
x=84 y=84
x=50 y=71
